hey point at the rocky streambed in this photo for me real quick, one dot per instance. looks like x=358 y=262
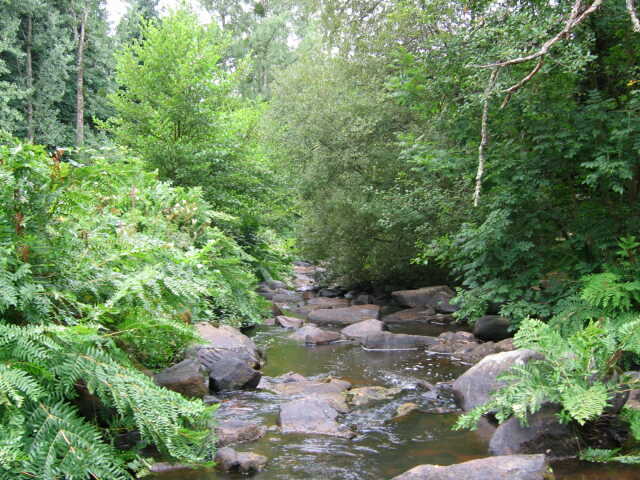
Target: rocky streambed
x=363 y=387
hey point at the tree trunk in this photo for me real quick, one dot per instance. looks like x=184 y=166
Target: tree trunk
x=80 y=81
x=29 y=60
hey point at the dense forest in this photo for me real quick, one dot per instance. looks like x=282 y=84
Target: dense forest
x=154 y=172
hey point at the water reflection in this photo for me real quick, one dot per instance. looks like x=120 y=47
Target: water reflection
x=384 y=446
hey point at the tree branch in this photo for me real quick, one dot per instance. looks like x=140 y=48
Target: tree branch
x=484 y=134
x=634 y=16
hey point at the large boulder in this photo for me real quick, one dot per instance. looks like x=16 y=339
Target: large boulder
x=228 y=371
x=187 y=377
x=543 y=434
x=437 y=297
x=492 y=327
x=411 y=315
x=230 y=339
x=231 y=358
x=363 y=329
x=228 y=460
x=396 y=341
x=312 y=416
x=474 y=387
x=230 y=432
x=345 y=316
x=509 y=467
x=312 y=335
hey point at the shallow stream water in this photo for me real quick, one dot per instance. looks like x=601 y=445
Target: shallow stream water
x=384 y=446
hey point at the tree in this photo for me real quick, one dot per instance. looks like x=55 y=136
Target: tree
x=41 y=78
x=130 y=24
x=174 y=96
x=180 y=109
x=261 y=36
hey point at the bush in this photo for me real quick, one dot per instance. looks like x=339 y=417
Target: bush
x=103 y=268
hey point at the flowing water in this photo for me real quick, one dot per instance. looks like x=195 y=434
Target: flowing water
x=384 y=446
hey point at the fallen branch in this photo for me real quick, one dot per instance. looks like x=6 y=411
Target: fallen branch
x=634 y=16
x=484 y=134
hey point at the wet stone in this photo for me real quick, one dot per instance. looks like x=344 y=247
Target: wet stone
x=289 y=322
x=396 y=341
x=508 y=467
x=363 y=329
x=230 y=460
x=345 y=316
x=312 y=416
x=297 y=385
x=231 y=432
x=312 y=335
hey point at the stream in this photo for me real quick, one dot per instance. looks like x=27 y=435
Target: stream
x=384 y=446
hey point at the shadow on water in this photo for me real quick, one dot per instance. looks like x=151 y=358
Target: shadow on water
x=384 y=446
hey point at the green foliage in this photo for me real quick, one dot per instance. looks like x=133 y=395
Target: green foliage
x=38 y=53
x=584 y=349
x=368 y=195
x=178 y=108
x=103 y=268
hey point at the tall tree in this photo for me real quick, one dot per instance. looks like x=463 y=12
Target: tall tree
x=262 y=33
x=130 y=25
x=81 y=45
x=10 y=52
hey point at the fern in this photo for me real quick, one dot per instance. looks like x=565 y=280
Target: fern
x=96 y=281
x=610 y=292
x=582 y=350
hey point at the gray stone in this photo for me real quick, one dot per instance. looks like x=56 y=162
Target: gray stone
x=438 y=297
x=231 y=358
x=312 y=335
x=543 y=434
x=329 y=292
x=492 y=327
x=230 y=339
x=287 y=297
x=396 y=341
x=509 y=467
x=312 y=416
x=345 y=316
x=289 y=322
x=275 y=284
x=187 y=377
x=411 y=315
x=230 y=432
x=474 y=387
x=364 y=299
x=297 y=385
x=228 y=460
x=228 y=371
x=363 y=329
